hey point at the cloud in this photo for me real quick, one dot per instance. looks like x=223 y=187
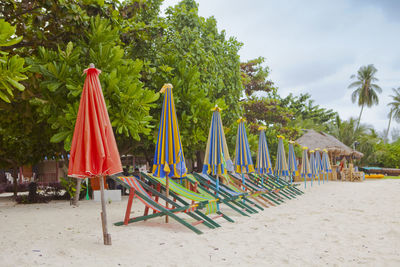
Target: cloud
x=314 y=46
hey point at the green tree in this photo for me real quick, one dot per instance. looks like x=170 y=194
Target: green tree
x=61 y=82
x=92 y=33
x=366 y=89
x=202 y=64
x=347 y=131
x=364 y=136
x=394 y=109
x=255 y=77
x=388 y=155
x=263 y=106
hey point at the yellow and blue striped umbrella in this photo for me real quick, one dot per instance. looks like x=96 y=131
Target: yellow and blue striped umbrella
x=292 y=162
x=217 y=159
x=318 y=162
x=305 y=171
x=169 y=159
x=263 y=164
x=281 y=167
x=243 y=161
x=313 y=165
x=326 y=164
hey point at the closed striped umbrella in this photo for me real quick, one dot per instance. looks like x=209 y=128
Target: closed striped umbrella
x=243 y=161
x=217 y=159
x=169 y=160
x=318 y=162
x=326 y=164
x=292 y=162
x=281 y=167
x=305 y=171
x=263 y=164
x=313 y=165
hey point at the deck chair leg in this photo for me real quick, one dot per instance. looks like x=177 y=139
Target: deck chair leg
x=235 y=209
x=246 y=206
x=200 y=219
x=129 y=206
x=225 y=217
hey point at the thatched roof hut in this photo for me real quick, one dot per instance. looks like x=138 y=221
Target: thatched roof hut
x=313 y=140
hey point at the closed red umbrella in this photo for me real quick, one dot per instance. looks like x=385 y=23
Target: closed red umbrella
x=94 y=152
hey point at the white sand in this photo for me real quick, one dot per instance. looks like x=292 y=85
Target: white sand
x=336 y=224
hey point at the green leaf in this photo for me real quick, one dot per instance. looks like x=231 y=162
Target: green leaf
x=16 y=84
x=58 y=137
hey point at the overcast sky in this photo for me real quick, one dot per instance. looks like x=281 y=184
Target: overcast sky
x=315 y=45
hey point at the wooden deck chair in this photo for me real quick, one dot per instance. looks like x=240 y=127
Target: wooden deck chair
x=230 y=189
x=225 y=192
x=256 y=195
x=275 y=190
x=281 y=182
x=227 y=200
x=261 y=192
x=145 y=194
x=177 y=190
x=269 y=183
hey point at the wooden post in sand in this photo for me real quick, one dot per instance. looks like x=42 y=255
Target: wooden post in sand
x=106 y=235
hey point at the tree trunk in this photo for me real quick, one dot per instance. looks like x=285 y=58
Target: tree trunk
x=387 y=131
x=15 y=181
x=359 y=117
x=75 y=201
x=199 y=161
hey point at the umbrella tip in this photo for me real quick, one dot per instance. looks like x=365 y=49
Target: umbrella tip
x=241 y=119
x=165 y=86
x=91 y=65
x=216 y=108
x=262 y=127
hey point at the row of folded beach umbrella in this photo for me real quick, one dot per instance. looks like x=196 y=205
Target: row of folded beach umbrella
x=94 y=152
x=169 y=157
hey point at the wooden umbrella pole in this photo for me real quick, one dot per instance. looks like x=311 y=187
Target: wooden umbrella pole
x=106 y=235
x=167 y=195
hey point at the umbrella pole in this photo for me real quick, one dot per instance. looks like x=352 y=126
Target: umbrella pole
x=87 y=188
x=106 y=235
x=217 y=188
x=167 y=195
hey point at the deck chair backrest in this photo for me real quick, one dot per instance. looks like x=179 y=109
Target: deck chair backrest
x=211 y=207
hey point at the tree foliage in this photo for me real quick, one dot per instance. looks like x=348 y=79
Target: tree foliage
x=61 y=82
x=11 y=67
x=394 y=109
x=365 y=93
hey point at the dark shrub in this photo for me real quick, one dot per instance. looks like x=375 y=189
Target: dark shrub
x=32 y=192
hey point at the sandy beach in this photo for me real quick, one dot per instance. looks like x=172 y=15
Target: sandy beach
x=335 y=224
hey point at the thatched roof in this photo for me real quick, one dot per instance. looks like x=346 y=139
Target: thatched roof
x=313 y=140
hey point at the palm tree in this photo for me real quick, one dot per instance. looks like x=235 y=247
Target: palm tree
x=394 y=109
x=347 y=131
x=366 y=90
